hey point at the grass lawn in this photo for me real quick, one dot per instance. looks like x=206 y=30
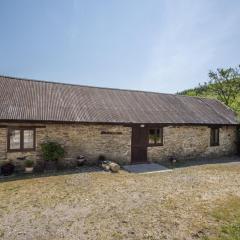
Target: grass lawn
x=200 y=202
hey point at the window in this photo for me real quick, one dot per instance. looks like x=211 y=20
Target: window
x=214 y=137
x=155 y=136
x=14 y=139
x=21 y=139
x=28 y=139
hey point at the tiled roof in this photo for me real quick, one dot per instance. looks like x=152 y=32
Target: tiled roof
x=22 y=99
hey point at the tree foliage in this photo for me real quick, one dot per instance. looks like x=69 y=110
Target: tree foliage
x=225 y=84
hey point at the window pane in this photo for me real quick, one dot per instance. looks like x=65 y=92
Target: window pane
x=157 y=136
x=214 y=136
x=14 y=139
x=151 y=136
x=28 y=136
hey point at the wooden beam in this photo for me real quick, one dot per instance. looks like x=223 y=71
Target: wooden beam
x=19 y=125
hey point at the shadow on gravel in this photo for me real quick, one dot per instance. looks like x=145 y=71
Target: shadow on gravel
x=91 y=169
x=203 y=161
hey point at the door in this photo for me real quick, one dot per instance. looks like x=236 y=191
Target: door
x=139 y=144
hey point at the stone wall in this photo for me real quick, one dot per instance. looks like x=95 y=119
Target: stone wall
x=88 y=140
x=188 y=142
x=3 y=144
x=78 y=139
x=184 y=142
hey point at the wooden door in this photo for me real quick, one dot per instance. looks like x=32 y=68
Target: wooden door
x=139 y=144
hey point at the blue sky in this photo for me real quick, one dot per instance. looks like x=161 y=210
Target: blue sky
x=155 y=45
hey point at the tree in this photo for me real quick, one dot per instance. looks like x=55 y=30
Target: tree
x=225 y=84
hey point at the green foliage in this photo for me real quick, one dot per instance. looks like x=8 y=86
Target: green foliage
x=197 y=91
x=29 y=163
x=224 y=84
x=231 y=232
x=52 y=151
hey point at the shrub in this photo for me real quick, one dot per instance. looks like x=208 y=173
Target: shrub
x=29 y=163
x=52 y=151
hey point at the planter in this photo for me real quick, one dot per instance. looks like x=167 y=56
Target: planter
x=7 y=169
x=28 y=169
x=81 y=162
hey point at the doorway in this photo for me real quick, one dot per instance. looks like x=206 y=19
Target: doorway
x=139 y=144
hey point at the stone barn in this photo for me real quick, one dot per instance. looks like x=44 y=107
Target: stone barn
x=126 y=126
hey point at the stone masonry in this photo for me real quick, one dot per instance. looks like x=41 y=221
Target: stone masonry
x=89 y=141
x=78 y=139
x=114 y=142
x=188 y=142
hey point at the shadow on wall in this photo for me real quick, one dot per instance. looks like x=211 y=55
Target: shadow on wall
x=238 y=141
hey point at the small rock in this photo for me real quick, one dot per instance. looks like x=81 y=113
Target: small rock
x=114 y=167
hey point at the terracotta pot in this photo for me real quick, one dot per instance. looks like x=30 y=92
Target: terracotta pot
x=28 y=169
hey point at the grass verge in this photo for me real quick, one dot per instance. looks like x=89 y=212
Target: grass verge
x=227 y=218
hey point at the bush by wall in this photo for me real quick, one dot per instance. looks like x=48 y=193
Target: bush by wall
x=52 y=151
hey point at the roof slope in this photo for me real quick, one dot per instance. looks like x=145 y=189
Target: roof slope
x=22 y=99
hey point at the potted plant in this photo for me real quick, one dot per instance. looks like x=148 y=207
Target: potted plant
x=29 y=164
x=52 y=152
x=7 y=169
x=173 y=161
x=81 y=160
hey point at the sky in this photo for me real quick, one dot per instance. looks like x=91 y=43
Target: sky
x=154 y=45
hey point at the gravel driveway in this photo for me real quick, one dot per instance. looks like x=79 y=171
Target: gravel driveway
x=101 y=205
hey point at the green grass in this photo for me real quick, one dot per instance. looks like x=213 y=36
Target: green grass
x=227 y=217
